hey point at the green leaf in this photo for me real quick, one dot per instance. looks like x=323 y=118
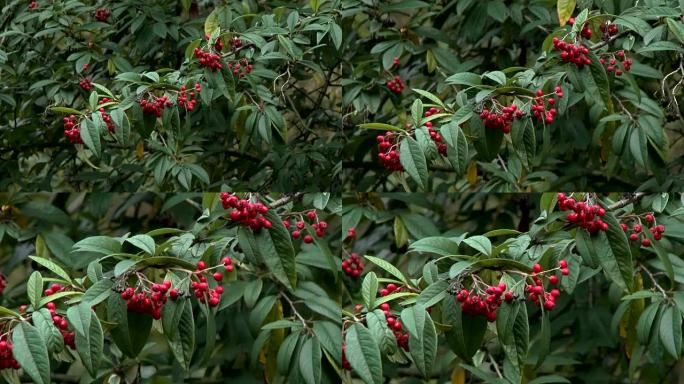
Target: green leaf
x=369 y=289
x=417 y=112
x=31 y=352
x=544 y=344
x=275 y=246
x=287 y=349
x=182 y=341
x=645 y=323
x=458 y=268
x=619 y=246
x=480 y=244
x=435 y=99
x=671 y=331
x=413 y=160
x=34 y=289
x=457 y=146
x=89 y=336
x=660 y=202
x=310 y=361
x=391 y=269
x=464 y=78
x=66 y=110
x=143 y=242
x=422 y=337
x=381 y=127
x=435 y=244
x=98 y=292
x=433 y=293
x=90 y=133
x=42 y=320
x=132 y=329
x=466 y=333
x=53 y=267
x=565 y=10
x=363 y=354
x=497 y=76
x=513 y=332
x=677 y=29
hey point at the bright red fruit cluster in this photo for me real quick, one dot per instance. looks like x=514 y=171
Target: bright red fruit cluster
x=536 y=292
x=63 y=325
x=208 y=59
x=201 y=289
x=235 y=43
x=318 y=226
x=33 y=5
x=54 y=288
x=477 y=304
x=187 y=99
x=3 y=283
x=7 y=360
x=218 y=44
x=351 y=233
x=353 y=266
x=389 y=289
x=86 y=84
x=396 y=84
x=638 y=230
x=500 y=119
x=434 y=135
x=584 y=214
x=541 y=100
x=610 y=61
x=147 y=301
x=105 y=116
x=609 y=28
x=240 y=67
x=71 y=130
x=102 y=14
x=155 y=106
x=387 y=153
x=245 y=213
x=572 y=53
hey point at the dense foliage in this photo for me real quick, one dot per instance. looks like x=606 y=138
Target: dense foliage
x=169 y=95
x=169 y=288
x=539 y=288
x=513 y=96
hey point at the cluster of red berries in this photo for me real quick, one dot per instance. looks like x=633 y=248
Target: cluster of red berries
x=387 y=154
x=353 y=266
x=208 y=59
x=246 y=213
x=539 y=108
x=105 y=116
x=201 y=289
x=102 y=14
x=585 y=214
x=72 y=130
x=476 y=304
x=147 y=302
x=502 y=119
x=318 y=226
x=62 y=324
x=351 y=233
x=434 y=135
x=218 y=45
x=54 y=288
x=611 y=62
x=389 y=289
x=240 y=67
x=637 y=230
x=86 y=84
x=586 y=31
x=3 y=283
x=609 y=28
x=536 y=292
x=33 y=5
x=396 y=84
x=155 y=106
x=572 y=53
x=7 y=360
x=235 y=43
x=187 y=99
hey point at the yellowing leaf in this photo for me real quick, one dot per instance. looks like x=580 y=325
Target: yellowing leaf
x=472 y=173
x=565 y=10
x=140 y=150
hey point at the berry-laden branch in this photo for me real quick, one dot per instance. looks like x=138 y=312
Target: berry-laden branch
x=632 y=198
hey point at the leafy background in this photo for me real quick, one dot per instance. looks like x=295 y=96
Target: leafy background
x=611 y=133
x=424 y=240
x=273 y=129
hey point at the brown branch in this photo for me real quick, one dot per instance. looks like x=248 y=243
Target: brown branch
x=632 y=198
